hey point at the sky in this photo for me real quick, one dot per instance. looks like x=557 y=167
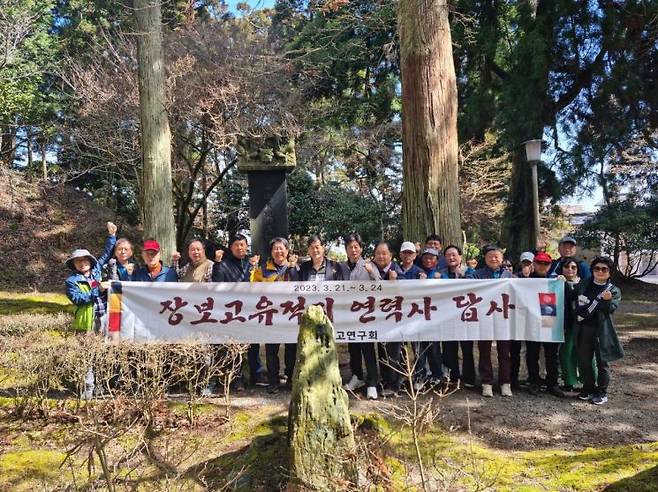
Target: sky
x=254 y=4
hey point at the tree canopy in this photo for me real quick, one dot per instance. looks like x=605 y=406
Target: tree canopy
x=579 y=75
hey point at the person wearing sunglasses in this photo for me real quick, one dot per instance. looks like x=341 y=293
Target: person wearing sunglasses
x=541 y=266
x=595 y=335
x=568 y=355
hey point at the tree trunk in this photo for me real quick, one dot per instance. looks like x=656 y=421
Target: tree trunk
x=430 y=199
x=28 y=149
x=44 y=160
x=321 y=443
x=157 y=200
x=204 y=210
x=531 y=72
x=520 y=234
x=7 y=145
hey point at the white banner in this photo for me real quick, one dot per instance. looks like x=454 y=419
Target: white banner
x=403 y=310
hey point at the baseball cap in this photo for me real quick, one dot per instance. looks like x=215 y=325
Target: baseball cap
x=568 y=239
x=543 y=257
x=408 y=246
x=430 y=251
x=527 y=256
x=151 y=244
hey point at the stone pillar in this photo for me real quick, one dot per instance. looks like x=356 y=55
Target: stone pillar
x=266 y=161
x=322 y=451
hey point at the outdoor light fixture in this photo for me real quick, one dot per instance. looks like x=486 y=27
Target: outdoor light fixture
x=533 y=150
x=533 y=155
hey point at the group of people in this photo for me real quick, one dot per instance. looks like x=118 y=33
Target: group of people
x=591 y=342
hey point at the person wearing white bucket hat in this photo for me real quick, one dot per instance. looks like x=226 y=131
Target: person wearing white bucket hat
x=82 y=287
x=83 y=290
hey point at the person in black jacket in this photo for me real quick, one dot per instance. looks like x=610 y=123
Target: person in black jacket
x=235 y=267
x=320 y=268
x=596 y=300
x=541 y=266
x=493 y=269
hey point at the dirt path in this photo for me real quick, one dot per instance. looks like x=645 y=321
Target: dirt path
x=527 y=422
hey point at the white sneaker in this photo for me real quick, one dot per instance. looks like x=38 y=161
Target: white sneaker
x=506 y=389
x=371 y=393
x=487 y=390
x=354 y=384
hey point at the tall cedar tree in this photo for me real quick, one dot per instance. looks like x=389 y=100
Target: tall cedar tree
x=429 y=122
x=157 y=203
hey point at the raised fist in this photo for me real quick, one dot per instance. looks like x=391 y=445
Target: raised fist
x=111 y=228
x=219 y=255
x=392 y=275
x=368 y=266
x=606 y=296
x=175 y=257
x=292 y=260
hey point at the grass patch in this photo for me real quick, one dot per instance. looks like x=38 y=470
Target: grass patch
x=644 y=481
x=33 y=469
x=258 y=466
x=474 y=465
x=34 y=303
x=254 y=454
x=181 y=408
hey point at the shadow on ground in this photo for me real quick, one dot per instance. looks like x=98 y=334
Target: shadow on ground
x=646 y=481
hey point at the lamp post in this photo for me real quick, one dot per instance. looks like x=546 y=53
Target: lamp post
x=533 y=156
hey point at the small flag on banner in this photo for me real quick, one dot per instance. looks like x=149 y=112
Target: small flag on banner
x=548 y=308
x=114 y=308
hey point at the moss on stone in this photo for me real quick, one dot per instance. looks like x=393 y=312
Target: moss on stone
x=321 y=445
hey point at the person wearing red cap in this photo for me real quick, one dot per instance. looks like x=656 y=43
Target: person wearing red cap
x=154 y=270
x=541 y=266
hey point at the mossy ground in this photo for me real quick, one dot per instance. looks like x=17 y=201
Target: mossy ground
x=30 y=469
x=248 y=449
x=33 y=303
x=472 y=464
